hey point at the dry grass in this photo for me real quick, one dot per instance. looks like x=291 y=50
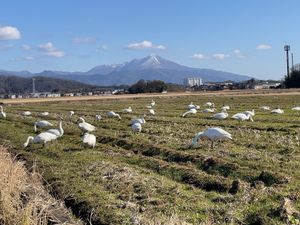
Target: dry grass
x=23 y=199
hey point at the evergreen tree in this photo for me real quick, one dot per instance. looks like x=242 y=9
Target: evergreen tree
x=293 y=81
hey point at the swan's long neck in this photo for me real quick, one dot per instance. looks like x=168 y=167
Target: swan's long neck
x=34 y=127
x=81 y=119
x=29 y=139
x=61 y=131
x=196 y=138
x=1 y=108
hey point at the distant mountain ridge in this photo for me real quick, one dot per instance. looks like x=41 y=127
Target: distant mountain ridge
x=152 y=67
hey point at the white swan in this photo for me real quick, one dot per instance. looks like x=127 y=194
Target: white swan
x=139 y=120
x=265 y=108
x=98 y=117
x=225 y=107
x=71 y=113
x=26 y=113
x=2 y=113
x=152 y=103
x=113 y=114
x=40 y=138
x=191 y=111
x=84 y=126
x=148 y=106
x=252 y=113
x=210 y=104
x=242 y=117
x=128 y=110
x=136 y=127
x=89 y=139
x=192 y=106
x=297 y=108
x=212 y=134
x=209 y=110
x=151 y=112
x=220 y=116
x=277 y=111
x=58 y=132
x=44 y=114
x=42 y=124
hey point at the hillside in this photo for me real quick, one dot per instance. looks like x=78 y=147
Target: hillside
x=15 y=85
x=152 y=67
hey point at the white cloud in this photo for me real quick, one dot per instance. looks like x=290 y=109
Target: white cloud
x=84 y=40
x=144 y=45
x=263 y=47
x=50 y=50
x=220 y=56
x=9 y=33
x=6 y=47
x=26 y=47
x=198 y=56
x=239 y=54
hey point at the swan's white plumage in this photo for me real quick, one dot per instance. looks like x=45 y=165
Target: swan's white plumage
x=26 y=113
x=84 y=126
x=113 y=114
x=40 y=138
x=2 y=113
x=191 y=111
x=242 y=117
x=136 y=127
x=58 y=132
x=220 y=116
x=89 y=139
x=42 y=124
x=127 y=110
x=277 y=111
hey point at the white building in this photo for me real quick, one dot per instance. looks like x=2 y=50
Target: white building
x=193 y=81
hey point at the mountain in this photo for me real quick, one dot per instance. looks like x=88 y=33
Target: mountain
x=15 y=85
x=152 y=67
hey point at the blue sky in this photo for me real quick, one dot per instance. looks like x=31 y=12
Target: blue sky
x=245 y=37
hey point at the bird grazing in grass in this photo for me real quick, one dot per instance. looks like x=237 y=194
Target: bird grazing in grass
x=277 y=111
x=191 y=111
x=40 y=138
x=58 y=132
x=89 y=139
x=209 y=110
x=136 y=127
x=220 y=116
x=41 y=124
x=297 y=108
x=212 y=134
x=265 y=108
x=242 y=117
x=2 y=113
x=139 y=120
x=192 y=106
x=44 y=114
x=84 y=126
x=26 y=113
x=252 y=113
x=98 y=117
x=128 y=110
x=113 y=114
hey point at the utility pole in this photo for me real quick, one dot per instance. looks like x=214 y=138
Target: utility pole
x=287 y=48
x=292 y=62
x=33 y=85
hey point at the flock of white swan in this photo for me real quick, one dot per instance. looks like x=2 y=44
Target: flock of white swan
x=212 y=134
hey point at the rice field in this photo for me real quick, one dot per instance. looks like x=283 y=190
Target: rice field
x=153 y=177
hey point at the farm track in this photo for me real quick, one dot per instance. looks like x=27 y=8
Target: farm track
x=135 y=176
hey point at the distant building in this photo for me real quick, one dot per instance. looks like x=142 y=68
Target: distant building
x=192 y=81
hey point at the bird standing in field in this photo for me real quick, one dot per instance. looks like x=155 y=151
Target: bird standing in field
x=89 y=139
x=191 y=111
x=151 y=112
x=41 y=124
x=297 y=108
x=139 y=120
x=242 y=117
x=84 y=126
x=152 y=103
x=26 y=113
x=265 y=108
x=40 y=138
x=2 y=113
x=212 y=134
x=252 y=113
x=113 y=114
